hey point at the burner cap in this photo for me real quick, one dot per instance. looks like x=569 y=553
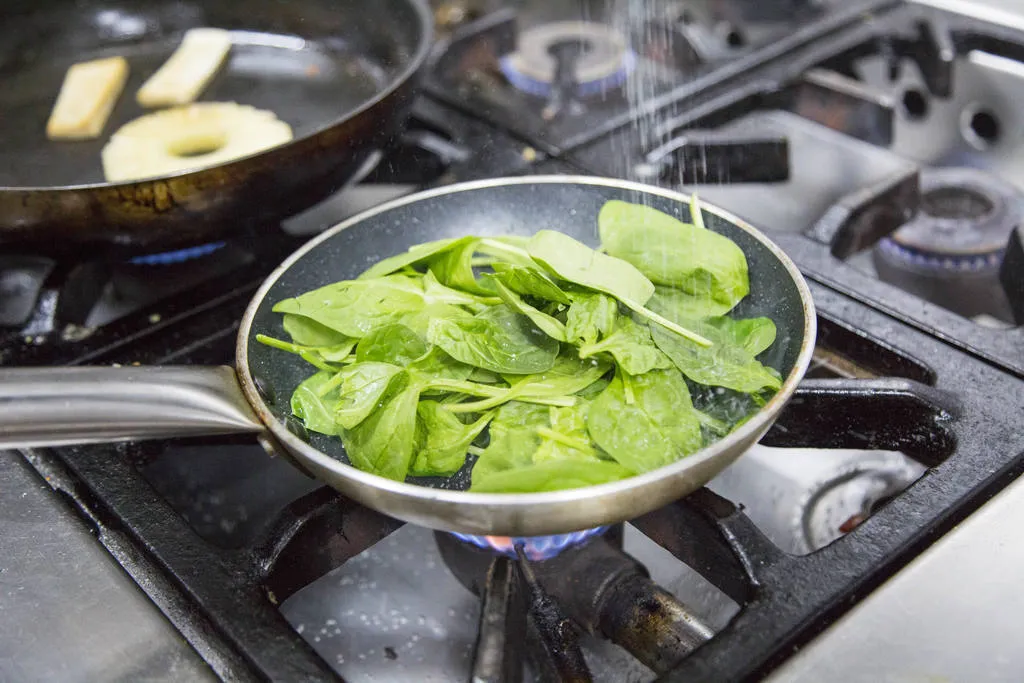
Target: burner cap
x=963 y=223
x=951 y=252
x=604 y=60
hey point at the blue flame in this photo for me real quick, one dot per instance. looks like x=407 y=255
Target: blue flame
x=536 y=547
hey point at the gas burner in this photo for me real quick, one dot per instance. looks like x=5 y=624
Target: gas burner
x=950 y=253
x=535 y=547
x=592 y=56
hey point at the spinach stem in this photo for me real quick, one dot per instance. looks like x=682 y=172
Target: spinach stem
x=494 y=401
x=330 y=385
x=695 y=212
x=462 y=387
x=627 y=389
x=475 y=450
x=306 y=353
x=668 y=324
x=279 y=344
x=504 y=251
x=588 y=350
x=557 y=437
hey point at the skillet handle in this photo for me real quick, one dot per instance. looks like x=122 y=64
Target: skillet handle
x=80 y=405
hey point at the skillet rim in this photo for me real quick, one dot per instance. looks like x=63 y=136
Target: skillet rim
x=752 y=429
x=396 y=83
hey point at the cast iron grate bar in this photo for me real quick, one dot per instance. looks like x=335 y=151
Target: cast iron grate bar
x=703 y=157
x=863 y=217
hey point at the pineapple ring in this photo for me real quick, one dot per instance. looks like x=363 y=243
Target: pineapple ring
x=190 y=137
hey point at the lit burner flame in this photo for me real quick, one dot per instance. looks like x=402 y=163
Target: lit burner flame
x=536 y=547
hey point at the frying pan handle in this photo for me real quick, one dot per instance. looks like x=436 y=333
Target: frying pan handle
x=80 y=405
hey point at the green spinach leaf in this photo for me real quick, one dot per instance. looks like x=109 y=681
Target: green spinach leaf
x=443 y=440
x=498 y=339
x=316 y=411
x=670 y=252
x=356 y=307
x=394 y=343
x=723 y=365
x=577 y=263
x=530 y=282
x=677 y=305
x=383 y=442
x=632 y=348
x=547 y=324
x=357 y=389
x=308 y=332
x=454 y=266
x=417 y=254
x=656 y=428
x=590 y=317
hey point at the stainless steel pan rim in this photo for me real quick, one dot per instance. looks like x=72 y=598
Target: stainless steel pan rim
x=397 y=81
x=524 y=508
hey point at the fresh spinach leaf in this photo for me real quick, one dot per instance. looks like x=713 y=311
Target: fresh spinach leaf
x=577 y=263
x=530 y=282
x=419 y=320
x=547 y=324
x=567 y=436
x=417 y=254
x=443 y=440
x=677 y=305
x=632 y=348
x=753 y=335
x=656 y=428
x=590 y=317
x=437 y=364
x=316 y=412
x=356 y=307
x=437 y=293
x=319 y=357
x=359 y=388
x=670 y=252
x=454 y=266
x=723 y=365
x=383 y=442
x=308 y=332
x=498 y=339
x=394 y=343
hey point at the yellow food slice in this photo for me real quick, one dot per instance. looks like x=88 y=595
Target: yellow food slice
x=86 y=98
x=187 y=138
x=188 y=71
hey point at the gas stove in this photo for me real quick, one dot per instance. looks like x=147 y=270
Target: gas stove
x=872 y=142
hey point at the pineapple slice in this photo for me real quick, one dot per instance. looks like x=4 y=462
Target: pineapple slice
x=188 y=71
x=86 y=98
x=188 y=138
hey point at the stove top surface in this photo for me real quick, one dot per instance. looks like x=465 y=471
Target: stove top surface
x=875 y=148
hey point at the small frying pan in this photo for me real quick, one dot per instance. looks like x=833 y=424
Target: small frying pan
x=82 y=405
x=342 y=73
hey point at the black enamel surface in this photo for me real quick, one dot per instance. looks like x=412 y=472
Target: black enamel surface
x=499 y=209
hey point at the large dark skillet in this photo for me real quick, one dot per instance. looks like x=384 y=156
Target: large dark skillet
x=342 y=73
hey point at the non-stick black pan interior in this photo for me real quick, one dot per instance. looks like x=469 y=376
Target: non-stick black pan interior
x=499 y=209
x=310 y=62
